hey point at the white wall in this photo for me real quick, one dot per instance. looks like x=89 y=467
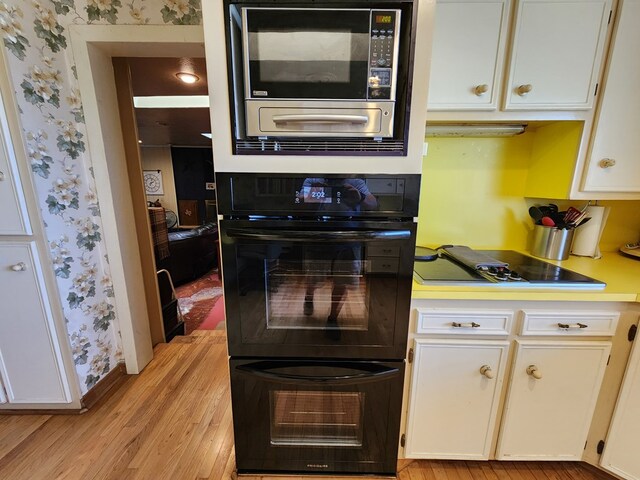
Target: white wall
x=159 y=158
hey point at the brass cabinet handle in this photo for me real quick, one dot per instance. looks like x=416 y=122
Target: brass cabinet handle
x=487 y=372
x=606 y=163
x=522 y=90
x=481 y=89
x=19 y=267
x=534 y=372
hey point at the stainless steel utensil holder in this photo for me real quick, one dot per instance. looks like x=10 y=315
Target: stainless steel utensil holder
x=551 y=243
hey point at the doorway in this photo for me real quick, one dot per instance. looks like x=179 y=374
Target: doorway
x=94 y=47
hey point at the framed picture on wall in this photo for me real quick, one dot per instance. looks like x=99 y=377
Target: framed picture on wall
x=153 y=182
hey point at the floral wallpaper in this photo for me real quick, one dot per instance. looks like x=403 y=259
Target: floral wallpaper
x=34 y=33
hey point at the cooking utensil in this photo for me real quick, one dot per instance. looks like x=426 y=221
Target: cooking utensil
x=571 y=215
x=547 y=222
x=536 y=214
x=582 y=222
x=424 y=254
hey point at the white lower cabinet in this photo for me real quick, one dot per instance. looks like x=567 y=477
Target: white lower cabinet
x=31 y=365
x=510 y=381
x=455 y=391
x=552 y=394
x=621 y=446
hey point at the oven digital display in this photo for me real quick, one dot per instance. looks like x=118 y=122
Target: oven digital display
x=319 y=194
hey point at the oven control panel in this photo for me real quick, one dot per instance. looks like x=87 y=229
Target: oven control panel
x=383 y=53
x=329 y=194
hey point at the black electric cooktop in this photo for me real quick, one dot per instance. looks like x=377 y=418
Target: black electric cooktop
x=525 y=272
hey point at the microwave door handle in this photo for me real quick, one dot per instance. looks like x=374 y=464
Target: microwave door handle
x=303 y=235
x=321 y=118
x=358 y=378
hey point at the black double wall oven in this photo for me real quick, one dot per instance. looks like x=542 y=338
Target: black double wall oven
x=317 y=279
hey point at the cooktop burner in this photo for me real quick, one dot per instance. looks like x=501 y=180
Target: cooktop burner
x=523 y=272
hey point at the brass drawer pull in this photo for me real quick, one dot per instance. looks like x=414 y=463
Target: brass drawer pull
x=465 y=325
x=566 y=326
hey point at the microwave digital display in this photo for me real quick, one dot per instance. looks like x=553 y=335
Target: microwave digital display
x=383 y=19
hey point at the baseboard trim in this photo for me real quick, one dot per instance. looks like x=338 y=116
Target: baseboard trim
x=46 y=411
x=603 y=474
x=104 y=387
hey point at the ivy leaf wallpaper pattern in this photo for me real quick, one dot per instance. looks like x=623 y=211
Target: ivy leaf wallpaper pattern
x=34 y=33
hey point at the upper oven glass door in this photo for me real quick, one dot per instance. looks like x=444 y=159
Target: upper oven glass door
x=289 y=52
x=317 y=288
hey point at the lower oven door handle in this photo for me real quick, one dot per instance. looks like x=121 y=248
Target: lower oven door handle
x=260 y=370
x=306 y=235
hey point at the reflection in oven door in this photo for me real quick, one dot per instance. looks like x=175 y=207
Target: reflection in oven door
x=316 y=416
x=317 y=291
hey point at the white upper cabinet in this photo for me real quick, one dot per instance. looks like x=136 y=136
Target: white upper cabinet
x=13 y=212
x=613 y=164
x=468 y=53
x=556 y=54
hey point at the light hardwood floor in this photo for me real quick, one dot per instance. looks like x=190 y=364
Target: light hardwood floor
x=173 y=421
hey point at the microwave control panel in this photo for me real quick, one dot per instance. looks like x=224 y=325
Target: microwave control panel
x=383 y=53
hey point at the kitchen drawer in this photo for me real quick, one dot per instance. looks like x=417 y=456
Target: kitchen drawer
x=443 y=321
x=380 y=251
x=578 y=323
x=383 y=265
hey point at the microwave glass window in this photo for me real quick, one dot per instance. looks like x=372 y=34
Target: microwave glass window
x=307 y=56
x=317 y=418
x=325 y=290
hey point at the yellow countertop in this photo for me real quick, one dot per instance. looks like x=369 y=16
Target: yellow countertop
x=619 y=272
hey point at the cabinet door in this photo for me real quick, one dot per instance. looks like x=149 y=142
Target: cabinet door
x=3 y=395
x=613 y=162
x=553 y=392
x=30 y=360
x=556 y=56
x=452 y=405
x=620 y=452
x=468 y=52
x=13 y=213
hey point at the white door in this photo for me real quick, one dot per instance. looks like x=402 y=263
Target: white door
x=613 y=162
x=30 y=360
x=556 y=54
x=454 y=395
x=553 y=392
x=13 y=213
x=468 y=52
x=621 y=447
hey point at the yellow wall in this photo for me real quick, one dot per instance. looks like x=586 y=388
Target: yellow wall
x=473 y=193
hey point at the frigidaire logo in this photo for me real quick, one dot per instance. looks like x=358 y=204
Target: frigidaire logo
x=316 y=465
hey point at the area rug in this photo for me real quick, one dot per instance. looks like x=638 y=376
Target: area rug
x=197 y=298
x=215 y=318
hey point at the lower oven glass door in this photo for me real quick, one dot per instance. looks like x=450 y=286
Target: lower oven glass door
x=311 y=416
x=317 y=291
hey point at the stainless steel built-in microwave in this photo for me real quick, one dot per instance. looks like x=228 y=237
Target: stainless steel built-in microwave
x=320 y=72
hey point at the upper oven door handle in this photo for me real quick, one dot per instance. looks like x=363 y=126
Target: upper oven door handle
x=368 y=373
x=306 y=235
x=321 y=118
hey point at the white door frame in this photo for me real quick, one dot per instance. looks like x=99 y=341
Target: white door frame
x=93 y=48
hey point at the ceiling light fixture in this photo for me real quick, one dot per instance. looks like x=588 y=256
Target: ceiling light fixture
x=187 y=77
